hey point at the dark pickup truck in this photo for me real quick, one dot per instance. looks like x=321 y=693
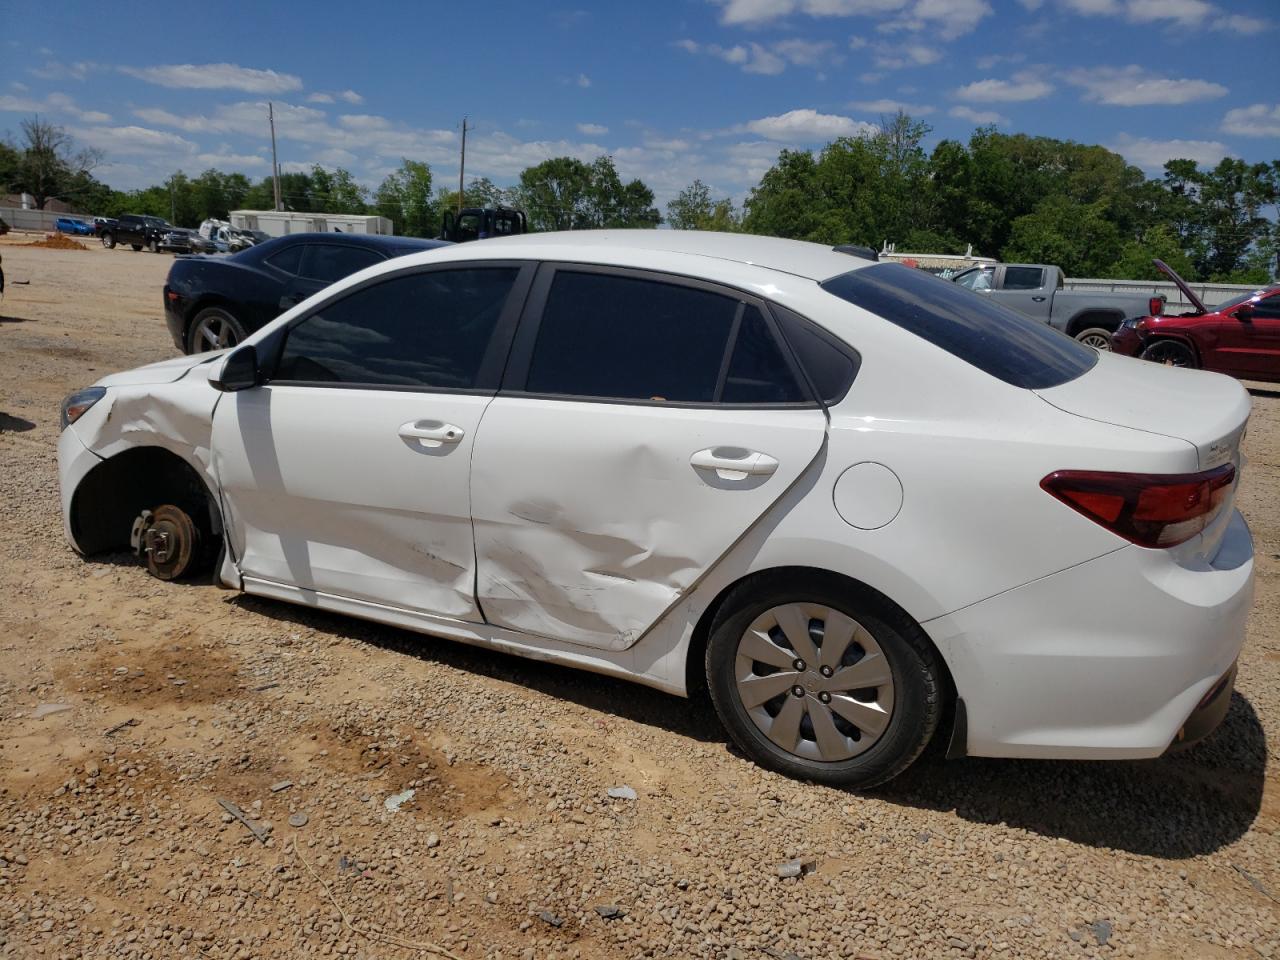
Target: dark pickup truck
x=138 y=231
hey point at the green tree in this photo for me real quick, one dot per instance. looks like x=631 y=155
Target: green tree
x=404 y=197
x=564 y=193
x=1078 y=238
x=693 y=209
x=1135 y=260
x=50 y=164
x=336 y=192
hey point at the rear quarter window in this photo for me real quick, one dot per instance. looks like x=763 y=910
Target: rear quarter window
x=999 y=341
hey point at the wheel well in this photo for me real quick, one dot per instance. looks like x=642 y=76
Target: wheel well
x=1106 y=319
x=695 y=671
x=1185 y=341
x=116 y=491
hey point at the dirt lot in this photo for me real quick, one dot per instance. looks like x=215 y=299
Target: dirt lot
x=113 y=843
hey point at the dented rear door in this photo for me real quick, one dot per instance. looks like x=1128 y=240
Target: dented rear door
x=645 y=425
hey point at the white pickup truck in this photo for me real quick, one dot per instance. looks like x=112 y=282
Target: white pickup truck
x=1036 y=289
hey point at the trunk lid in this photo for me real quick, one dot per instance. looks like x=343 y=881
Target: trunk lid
x=1187 y=292
x=1207 y=410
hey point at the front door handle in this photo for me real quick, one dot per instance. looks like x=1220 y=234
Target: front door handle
x=1038 y=299
x=734 y=463
x=432 y=433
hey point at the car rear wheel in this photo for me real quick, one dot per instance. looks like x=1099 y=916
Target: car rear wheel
x=818 y=679
x=136 y=247
x=214 y=329
x=1171 y=353
x=109 y=241
x=1097 y=337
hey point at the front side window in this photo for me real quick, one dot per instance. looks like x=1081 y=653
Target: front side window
x=976 y=279
x=1023 y=278
x=288 y=260
x=629 y=338
x=999 y=341
x=328 y=262
x=1268 y=308
x=428 y=330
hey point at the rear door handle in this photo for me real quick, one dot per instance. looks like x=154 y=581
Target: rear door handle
x=734 y=463
x=1038 y=299
x=433 y=433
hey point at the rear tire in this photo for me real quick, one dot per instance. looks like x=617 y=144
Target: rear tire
x=1171 y=353
x=136 y=247
x=213 y=328
x=800 y=718
x=1097 y=337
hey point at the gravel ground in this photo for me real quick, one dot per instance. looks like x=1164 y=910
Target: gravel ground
x=113 y=841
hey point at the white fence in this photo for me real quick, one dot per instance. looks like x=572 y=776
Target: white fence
x=38 y=220
x=1210 y=293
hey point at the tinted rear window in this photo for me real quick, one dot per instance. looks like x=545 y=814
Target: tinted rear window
x=1002 y=342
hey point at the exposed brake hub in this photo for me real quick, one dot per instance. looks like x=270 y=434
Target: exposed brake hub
x=167 y=539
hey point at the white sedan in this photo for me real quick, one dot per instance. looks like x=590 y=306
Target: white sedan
x=861 y=506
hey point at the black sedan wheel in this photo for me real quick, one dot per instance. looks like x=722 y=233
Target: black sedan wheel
x=109 y=240
x=214 y=329
x=1171 y=353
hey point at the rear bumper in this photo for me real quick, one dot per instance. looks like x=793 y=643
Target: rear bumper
x=1112 y=658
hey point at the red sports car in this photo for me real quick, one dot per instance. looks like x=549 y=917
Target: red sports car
x=1240 y=336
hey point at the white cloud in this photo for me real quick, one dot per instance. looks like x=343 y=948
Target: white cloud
x=583 y=80
x=1259 y=120
x=752 y=58
x=804 y=53
x=350 y=96
x=754 y=12
x=1152 y=154
x=891 y=106
x=216 y=76
x=944 y=19
x=364 y=121
x=980 y=117
x=57 y=70
x=995 y=59
x=1175 y=13
x=320 y=98
x=808 y=126
x=687 y=45
x=232 y=161
x=1023 y=87
x=55 y=103
x=592 y=129
x=1133 y=86
x=133 y=140
x=894 y=56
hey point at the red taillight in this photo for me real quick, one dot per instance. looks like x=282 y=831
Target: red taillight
x=1149 y=509
x=1155 y=306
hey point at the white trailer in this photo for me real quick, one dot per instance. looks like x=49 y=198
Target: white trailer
x=280 y=223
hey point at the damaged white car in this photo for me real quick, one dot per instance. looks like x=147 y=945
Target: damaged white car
x=863 y=506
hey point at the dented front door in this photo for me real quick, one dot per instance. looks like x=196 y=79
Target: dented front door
x=592 y=519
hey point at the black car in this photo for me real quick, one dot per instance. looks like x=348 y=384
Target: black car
x=138 y=231
x=215 y=302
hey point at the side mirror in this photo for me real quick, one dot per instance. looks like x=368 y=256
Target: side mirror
x=1244 y=313
x=239 y=370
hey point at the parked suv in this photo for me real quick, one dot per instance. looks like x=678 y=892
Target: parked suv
x=137 y=231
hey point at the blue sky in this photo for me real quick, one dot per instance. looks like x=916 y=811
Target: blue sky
x=672 y=90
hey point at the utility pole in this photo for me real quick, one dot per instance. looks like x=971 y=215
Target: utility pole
x=462 y=165
x=173 y=212
x=275 y=165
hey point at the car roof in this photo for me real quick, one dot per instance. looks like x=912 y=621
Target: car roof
x=813 y=261
x=372 y=240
